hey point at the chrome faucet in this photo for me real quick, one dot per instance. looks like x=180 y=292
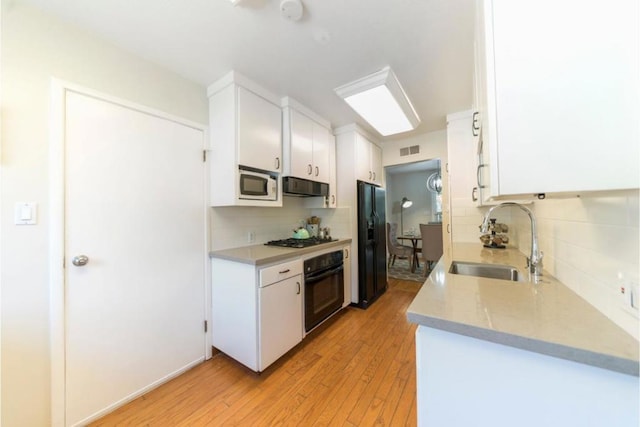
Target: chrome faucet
x=534 y=261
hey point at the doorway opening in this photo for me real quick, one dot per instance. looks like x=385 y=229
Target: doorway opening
x=419 y=182
x=414 y=197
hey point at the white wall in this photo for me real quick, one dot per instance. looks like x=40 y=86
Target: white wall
x=433 y=145
x=591 y=244
x=35 y=48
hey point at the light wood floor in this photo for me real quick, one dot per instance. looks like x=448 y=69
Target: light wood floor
x=358 y=369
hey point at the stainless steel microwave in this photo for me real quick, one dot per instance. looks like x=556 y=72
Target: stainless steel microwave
x=257 y=185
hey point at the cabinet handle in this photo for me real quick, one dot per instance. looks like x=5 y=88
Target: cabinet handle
x=298 y=283
x=448 y=228
x=474 y=193
x=333 y=199
x=285 y=271
x=277 y=162
x=369 y=174
x=346 y=253
x=480 y=185
x=309 y=169
x=317 y=171
x=474 y=127
x=374 y=176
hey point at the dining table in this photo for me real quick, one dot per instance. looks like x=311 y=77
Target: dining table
x=414 y=238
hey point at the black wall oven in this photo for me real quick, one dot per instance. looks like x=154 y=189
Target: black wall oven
x=323 y=288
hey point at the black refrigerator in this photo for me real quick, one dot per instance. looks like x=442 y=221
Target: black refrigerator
x=372 y=247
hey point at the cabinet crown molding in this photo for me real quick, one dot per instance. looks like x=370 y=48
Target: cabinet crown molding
x=288 y=102
x=234 y=77
x=354 y=127
x=459 y=115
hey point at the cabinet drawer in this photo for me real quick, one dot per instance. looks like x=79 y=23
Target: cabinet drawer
x=279 y=272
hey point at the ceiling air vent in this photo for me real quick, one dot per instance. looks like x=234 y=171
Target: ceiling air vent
x=406 y=151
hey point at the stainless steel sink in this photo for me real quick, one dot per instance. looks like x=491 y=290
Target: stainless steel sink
x=491 y=271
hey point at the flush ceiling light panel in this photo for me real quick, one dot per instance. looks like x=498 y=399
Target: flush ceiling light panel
x=380 y=100
x=291 y=9
x=235 y=2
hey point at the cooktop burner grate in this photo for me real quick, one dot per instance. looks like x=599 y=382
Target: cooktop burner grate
x=298 y=243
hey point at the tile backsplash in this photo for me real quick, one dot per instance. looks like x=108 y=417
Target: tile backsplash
x=591 y=244
x=229 y=227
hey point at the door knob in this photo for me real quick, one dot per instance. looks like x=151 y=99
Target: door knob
x=80 y=260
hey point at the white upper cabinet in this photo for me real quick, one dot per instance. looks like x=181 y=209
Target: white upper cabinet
x=331 y=201
x=259 y=132
x=307 y=146
x=557 y=87
x=462 y=155
x=376 y=163
x=298 y=153
x=245 y=130
x=321 y=153
x=368 y=160
x=358 y=157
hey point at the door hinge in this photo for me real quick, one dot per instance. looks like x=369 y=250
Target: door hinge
x=204 y=155
x=206 y=326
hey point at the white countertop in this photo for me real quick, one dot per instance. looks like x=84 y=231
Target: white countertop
x=546 y=317
x=262 y=254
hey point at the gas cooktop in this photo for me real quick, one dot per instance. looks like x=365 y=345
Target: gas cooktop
x=299 y=243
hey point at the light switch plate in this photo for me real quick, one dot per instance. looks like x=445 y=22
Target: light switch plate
x=26 y=213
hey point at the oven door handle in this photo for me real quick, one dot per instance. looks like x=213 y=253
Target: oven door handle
x=316 y=278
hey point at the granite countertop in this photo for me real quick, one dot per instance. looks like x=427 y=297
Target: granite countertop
x=545 y=317
x=262 y=254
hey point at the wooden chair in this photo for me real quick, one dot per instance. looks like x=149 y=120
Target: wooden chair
x=431 y=245
x=394 y=248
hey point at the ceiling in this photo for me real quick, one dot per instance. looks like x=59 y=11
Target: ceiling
x=428 y=44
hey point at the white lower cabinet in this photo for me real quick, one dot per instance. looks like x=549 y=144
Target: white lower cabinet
x=465 y=381
x=280 y=327
x=256 y=312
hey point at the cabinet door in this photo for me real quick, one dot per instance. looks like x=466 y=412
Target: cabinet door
x=332 y=201
x=259 y=132
x=368 y=160
x=302 y=135
x=462 y=155
x=280 y=319
x=484 y=171
x=347 y=274
x=485 y=119
x=321 y=147
x=562 y=101
x=376 y=164
x=363 y=159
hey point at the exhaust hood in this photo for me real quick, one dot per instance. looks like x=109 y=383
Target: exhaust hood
x=292 y=186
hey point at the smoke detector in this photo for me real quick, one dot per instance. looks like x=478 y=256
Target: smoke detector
x=291 y=9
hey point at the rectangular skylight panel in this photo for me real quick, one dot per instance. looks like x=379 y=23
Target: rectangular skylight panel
x=381 y=110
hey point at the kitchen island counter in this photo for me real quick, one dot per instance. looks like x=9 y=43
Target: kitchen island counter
x=502 y=353
x=546 y=317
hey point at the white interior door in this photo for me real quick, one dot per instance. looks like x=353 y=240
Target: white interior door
x=134 y=206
